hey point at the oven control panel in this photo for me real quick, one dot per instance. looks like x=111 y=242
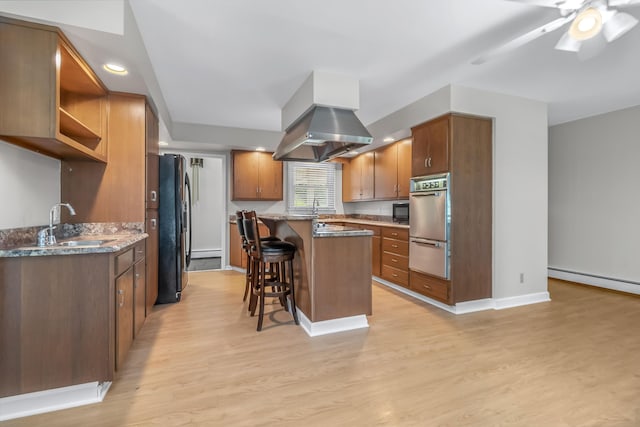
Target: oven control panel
x=429 y=183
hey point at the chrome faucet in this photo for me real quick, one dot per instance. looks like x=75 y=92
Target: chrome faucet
x=46 y=236
x=315 y=206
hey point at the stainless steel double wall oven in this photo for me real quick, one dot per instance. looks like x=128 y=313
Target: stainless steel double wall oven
x=429 y=226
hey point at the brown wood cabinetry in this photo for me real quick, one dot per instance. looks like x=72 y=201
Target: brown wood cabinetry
x=139 y=288
x=392 y=170
x=237 y=255
x=52 y=102
x=256 y=176
x=126 y=188
x=395 y=255
x=67 y=319
x=466 y=144
x=430 y=151
x=432 y=287
x=358 y=181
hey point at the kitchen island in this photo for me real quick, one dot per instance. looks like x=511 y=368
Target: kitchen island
x=332 y=271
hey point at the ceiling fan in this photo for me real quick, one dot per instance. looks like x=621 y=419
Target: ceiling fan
x=588 y=19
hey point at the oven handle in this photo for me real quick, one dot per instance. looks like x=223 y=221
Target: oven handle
x=427 y=243
x=426 y=193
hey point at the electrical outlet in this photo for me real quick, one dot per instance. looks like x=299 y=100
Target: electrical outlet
x=521 y=277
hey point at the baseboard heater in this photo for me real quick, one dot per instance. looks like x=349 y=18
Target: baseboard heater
x=621 y=285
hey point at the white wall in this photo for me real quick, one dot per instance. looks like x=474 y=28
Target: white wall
x=594 y=203
x=519 y=178
x=29 y=186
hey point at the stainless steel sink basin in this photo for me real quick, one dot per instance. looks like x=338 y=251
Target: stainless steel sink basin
x=83 y=243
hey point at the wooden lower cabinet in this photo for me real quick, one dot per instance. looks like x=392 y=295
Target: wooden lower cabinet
x=237 y=255
x=139 y=292
x=432 y=287
x=395 y=255
x=124 y=316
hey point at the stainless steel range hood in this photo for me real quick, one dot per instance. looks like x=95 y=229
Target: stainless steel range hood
x=322 y=134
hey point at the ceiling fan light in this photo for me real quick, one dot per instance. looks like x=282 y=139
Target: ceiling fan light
x=587 y=24
x=568 y=43
x=618 y=25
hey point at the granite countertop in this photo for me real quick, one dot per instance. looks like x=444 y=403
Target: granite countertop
x=329 y=219
x=367 y=222
x=328 y=230
x=93 y=238
x=94 y=243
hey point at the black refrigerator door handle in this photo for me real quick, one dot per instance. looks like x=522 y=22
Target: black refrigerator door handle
x=188 y=185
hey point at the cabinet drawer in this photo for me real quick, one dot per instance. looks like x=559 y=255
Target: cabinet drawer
x=139 y=251
x=124 y=261
x=395 y=261
x=374 y=228
x=395 y=275
x=430 y=286
x=395 y=246
x=395 y=233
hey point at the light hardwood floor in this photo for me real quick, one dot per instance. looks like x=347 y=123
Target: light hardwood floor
x=574 y=361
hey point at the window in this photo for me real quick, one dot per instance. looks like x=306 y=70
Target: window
x=308 y=182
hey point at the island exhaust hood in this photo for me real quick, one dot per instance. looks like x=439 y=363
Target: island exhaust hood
x=321 y=134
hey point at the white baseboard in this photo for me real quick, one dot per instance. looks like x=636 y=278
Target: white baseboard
x=472 y=306
x=56 y=399
x=206 y=253
x=314 y=329
x=526 y=299
x=593 y=280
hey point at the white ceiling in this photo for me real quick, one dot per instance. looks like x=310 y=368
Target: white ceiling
x=211 y=65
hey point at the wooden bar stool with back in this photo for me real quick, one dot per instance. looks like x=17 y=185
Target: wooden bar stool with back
x=272 y=253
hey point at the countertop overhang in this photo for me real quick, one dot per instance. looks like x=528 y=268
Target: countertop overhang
x=112 y=243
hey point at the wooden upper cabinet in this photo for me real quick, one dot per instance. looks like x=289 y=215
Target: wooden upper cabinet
x=152 y=136
x=52 y=102
x=430 y=151
x=392 y=170
x=256 y=176
x=404 y=167
x=386 y=172
x=115 y=192
x=361 y=178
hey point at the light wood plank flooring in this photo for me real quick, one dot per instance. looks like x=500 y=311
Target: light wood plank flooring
x=574 y=361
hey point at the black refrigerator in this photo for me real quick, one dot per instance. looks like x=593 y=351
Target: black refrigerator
x=174 y=233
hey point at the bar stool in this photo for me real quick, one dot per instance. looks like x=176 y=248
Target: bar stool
x=278 y=253
x=245 y=247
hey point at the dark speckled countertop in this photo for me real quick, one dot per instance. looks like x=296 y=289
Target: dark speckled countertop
x=103 y=238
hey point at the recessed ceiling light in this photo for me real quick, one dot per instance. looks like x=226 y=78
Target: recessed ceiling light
x=388 y=139
x=163 y=143
x=260 y=149
x=116 y=69
x=586 y=25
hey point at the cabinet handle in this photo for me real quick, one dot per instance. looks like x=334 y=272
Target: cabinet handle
x=426 y=287
x=429 y=161
x=154 y=196
x=394 y=234
x=394 y=246
x=394 y=275
x=153 y=223
x=121 y=293
x=426 y=162
x=394 y=260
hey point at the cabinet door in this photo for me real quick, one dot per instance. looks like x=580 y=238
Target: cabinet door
x=430 y=152
x=404 y=168
x=386 y=172
x=270 y=178
x=153 y=151
x=367 y=175
x=355 y=178
x=235 y=246
x=151 y=260
x=376 y=257
x=124 y=315
x=347 y=185
x=245 y=169
x=139 y=291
